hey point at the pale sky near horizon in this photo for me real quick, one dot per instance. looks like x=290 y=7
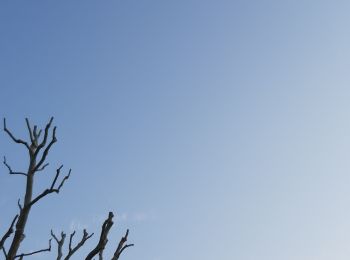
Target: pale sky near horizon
x=213 y=129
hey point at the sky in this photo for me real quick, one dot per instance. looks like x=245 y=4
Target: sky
x=212 y=129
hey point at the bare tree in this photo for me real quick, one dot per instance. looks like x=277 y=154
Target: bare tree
x=38 y=149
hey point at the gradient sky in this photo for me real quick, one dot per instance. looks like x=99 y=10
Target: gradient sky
x=213 y=129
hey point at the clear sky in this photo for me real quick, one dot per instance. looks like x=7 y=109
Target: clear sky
x=213 y=129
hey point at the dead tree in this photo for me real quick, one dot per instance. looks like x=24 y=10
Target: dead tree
x=38 y=150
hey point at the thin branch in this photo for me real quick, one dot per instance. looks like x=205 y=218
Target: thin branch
x=35 y=128
x=63 y=181
x=35 y=252
x=46 y=133
x=71 y=240
x=60 y=243
x=19 y=205
x=72 y=250
x=16 y=140
x=4 y=251
x=52 y=188
x=36 y=134
x=42 y=167
x=108 y=223
x=125 y=247
x=54 y=236
x=32 y=139
x=58 y=171
x=122 y=246
x=47 y=149
x=8 y=233
x=10 y=169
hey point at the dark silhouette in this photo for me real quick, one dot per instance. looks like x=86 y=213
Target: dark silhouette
x=38 y=149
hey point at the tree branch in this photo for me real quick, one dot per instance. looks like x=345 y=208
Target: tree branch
x=71 y=240
x=16 y=140
x=4 y=251
x=47 y=149
x=122 y=246
x=19 y=205
x=35 y=252
x=8 y=233
x=52 y=188
x=46 y=133
x=36 y=135
x=71 y=250
x=42 y=167
x=10 y=169
x=60 y=243
x=108 y=223
x=32 y=139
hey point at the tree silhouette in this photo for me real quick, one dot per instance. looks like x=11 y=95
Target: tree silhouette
x=38 y=148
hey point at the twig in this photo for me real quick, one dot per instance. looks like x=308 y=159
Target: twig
x=42 y=167
x=10 y=169
x=19 y=205
x=32 y=139
x=35 y=252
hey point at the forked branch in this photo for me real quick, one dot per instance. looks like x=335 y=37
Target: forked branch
x=52 y=187
x=74 y=249
x=8 y=233
x=60 y=243
x=122 y=246
x=46 y=134
x=46 y=150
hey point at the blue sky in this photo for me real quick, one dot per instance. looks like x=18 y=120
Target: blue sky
x=213 y=129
